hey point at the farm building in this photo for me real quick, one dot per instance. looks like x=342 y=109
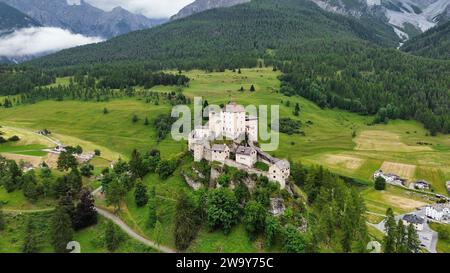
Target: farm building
x=421 y=185
x=438 y=212
x=390 y=178
x=412 y=219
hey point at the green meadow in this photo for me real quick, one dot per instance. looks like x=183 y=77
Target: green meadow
x=341 y=141
x=91 y=239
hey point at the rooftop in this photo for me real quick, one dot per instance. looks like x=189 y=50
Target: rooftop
x=242 y=150
x=234 y=108
x=283 y=164
x=412 y=218
x=219 y=147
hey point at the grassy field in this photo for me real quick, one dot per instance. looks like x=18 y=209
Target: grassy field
x=91 y=239
x=328 y=141
x=443 y=245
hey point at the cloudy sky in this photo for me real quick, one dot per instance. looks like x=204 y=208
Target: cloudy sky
x=149 y=8
x=40 y=40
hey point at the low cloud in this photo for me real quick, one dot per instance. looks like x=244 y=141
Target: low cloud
x=41 y=40
x=149 y=8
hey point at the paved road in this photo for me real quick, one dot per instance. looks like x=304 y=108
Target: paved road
x=428 y=237
x=116 y=220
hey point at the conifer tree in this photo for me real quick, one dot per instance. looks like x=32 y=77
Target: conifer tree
x=30 y=244
x=62 y=231
x=391 y=232
x=412 y=242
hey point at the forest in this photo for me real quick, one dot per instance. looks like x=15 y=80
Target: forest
x=333 y=60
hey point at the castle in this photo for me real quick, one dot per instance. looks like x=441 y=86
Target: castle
x=233 y=124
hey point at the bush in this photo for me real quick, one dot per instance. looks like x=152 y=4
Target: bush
x=380 y=184
x=262 y=166
x=14 y=138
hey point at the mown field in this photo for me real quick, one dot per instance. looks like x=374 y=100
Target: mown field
x=400 y=146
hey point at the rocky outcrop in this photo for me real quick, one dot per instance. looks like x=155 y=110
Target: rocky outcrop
x=202 y=5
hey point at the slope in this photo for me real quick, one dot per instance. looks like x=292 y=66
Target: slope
x=237 y=35
x=434 y=43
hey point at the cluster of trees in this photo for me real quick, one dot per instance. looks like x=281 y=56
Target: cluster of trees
x=337 y=217
x=69 y=217
x=11 y=139
x=96 y=86
x=290 y=126
x=370 y=81
x=400 y=239
x=16 y=80
x=125 y=176
x=224 y=207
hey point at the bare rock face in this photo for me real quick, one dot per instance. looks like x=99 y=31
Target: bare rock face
x=80 y=17
x=202 y=5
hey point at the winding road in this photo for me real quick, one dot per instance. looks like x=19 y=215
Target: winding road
x=116 y=220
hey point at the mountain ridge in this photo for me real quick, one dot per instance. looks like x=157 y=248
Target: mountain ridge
x=82 y=18
x=203 y=5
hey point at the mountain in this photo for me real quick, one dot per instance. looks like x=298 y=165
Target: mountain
x=435 y=43
x=202 y=5
x=241 y=33
x=82 y=18
x=408 y=17
x=11 y=19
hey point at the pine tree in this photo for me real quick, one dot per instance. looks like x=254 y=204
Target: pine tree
x=391 y=230
x=141 y=195
x=401 y=239
x=115 y=193
x=137 y=166
x=413 y=241
x=30 y=244
x=112 y=238
x=61 y=229
x=297 y=110
x=85 y=213
x=152 y=210
x=157 y=233
x=146 y=122
x=2 y=220
x=186 y=221
x=105 y=111
x=252 y=88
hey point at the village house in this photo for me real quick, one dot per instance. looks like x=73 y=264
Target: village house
x=390 y=178
x=232 y=123
x=246 y=156
x=412 y=219
x=438 y=212
x=27 y=167
x=421 y=185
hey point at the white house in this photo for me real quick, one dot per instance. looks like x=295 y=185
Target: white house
x=438 y=212
x=246 y=156
x=280 y=172
x=233 y=123
x=389 y=178
x=421 y=185
x=412 y=219
x=220 y=152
